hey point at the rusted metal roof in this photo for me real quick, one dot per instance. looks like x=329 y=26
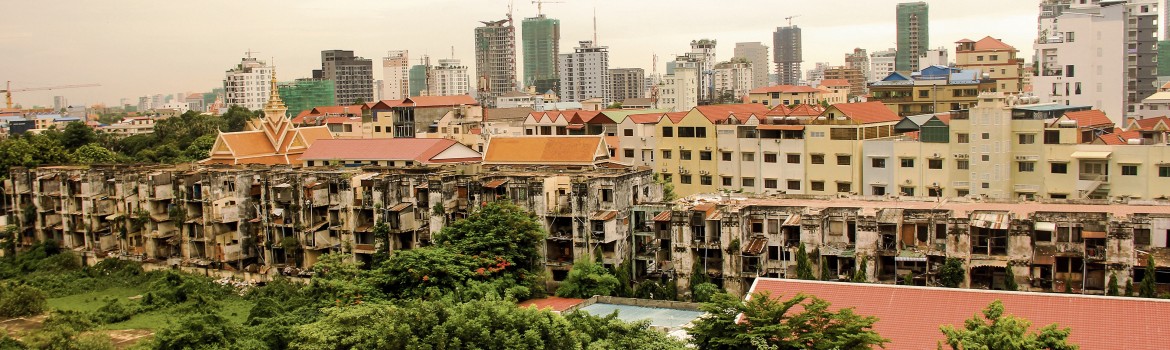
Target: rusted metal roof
x=400 y=206
x=496 y=183
x=994 y=221
x=889 y=216
x=792 y=220
x=604 y=215
x=663 y=216
x=756 y=245
x=1093 y=234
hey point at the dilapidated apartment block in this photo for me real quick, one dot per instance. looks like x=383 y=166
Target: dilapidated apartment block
x=1049 y=246
x=258 y=218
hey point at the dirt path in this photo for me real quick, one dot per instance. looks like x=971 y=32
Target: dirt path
x=122 y=338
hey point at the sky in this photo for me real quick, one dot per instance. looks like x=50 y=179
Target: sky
x=144 y=47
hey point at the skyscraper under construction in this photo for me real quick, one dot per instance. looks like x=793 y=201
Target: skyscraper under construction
x=540 y=38
x=495 y=60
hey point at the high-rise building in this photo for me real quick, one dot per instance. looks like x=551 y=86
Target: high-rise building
x=449 y=78
x=995 y=58
x=814 y=76
x=858 y=60
x=913 y=34
x=396 y=75
x=733 y=79
x=353 y=76
x=540 y=39
x=305 y=94
x=934 y=57
x=627 y=83
x=757 y=54
x=1078 y=45
x=679 y=90
x=881 y=64
x=704 y=51
x=851 y=75
x=585 y=73
x=246 y=85
x=418 y=77
x=787 y=54
x=495 y=60
x=60 y=102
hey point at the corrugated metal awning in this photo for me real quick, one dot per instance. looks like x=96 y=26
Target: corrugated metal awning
x=792 y=220
x=1091 y=155
x=663 y=216
x=756 y=245
x=988 y=263
x=994 y=221
x=399 y=207
x=604 y=215
x=496 y=183
x=1045 y=226
x=1093 y=234
x=889 y=216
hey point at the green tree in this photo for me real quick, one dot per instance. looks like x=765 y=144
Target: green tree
x=499 y=229
x=826 y=274
x=703 y=292
x=803 y=322
x=77 y=134
x=1009 y=279
x=587 y=279
x=1129 y=287
x=200 y=148
x=338 y=278
x=93 y=153
x=206 y=330
x=803 y=264
x=995 y=330
x=1148 y=288
x=951 y=273
x=1112 y=288
x=859 y=275
x=21 y=300
x=622 y=272
x=236 y=118
x=411 y=273
x=698 y=275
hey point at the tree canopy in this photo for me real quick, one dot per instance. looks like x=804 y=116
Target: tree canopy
x=802 y=322
x=998 y=331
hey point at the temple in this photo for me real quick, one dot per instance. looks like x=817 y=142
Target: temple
x=271 y=140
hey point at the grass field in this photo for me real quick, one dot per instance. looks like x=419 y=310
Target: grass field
x=234 y=309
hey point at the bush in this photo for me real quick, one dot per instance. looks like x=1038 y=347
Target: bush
x=20 y=301
x=115 y=310
x=704 y=291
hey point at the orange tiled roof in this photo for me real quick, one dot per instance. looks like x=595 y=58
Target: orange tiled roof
x=1089 y=118
x=1150 y=123
x=806 y=111
x=742 y=111
x=1119 y=137
x=835 y=82
x=427 y=101
x=676 y=117
x=648 y=118
x=785 y=89
x=549 y=150
x=419 y=150
x=989 y=44
x=868 y=112
x=910 y=316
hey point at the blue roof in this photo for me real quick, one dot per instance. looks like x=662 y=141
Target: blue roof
x=896 y=76
x=11 y=118
x=48 y=116
x=966 y=76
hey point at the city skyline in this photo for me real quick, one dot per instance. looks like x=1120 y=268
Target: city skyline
x=110 y=44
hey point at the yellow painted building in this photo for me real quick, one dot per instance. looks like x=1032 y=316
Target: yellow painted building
x=995 y=58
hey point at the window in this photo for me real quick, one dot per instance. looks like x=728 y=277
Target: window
x=816 y=158
x=817 y=185
x=700 y=132
x=1129 y=170
x=1026 y=167
x=684 y=154
x=667 y=131
x=879 y=190
x=628 y=153
x=985 y=157
x=685 y=179
x=994 y=57
x=749 y=182
x=979 y=58
x=705 y=180
x=843 y=160
x=963 y=138
x=962 y=164
x=667 y=178
x=770 y=183
x=923 y=93
x=1141 y=236
x=749 y=157
x=1027 y=139
x=844 y=187
x=1051 y=137
x=628 y=132
x=1059 y=168
x=793 y=158
x=727 y=181
x=878 y=162
x=606 y=195
x=665 y=154
x=908 y=191
x=986 y=136
x=704 y=155
x=1069 y=71
x=377 y=129
x=907 y=162
x=934 y=164
x=1164 y=171
x=794 y=184
x=1068 y=234
x=769 y=157
x=726 y=156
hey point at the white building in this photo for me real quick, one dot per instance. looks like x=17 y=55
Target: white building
x=396 y=75
x=704 y=51
x=585 y=73
x=1156 y=105
x=246 y=85
x=449 y=78
x=1099 y=56
x=182 y=107
x=679 y=90
x=814 y=76
x=757 y=54
x=934 y=57
x=735 y=77
x=881 y=64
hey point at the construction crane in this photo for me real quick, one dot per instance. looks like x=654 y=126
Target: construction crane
x=8 y=90
x=789 y=18
x=539 y=7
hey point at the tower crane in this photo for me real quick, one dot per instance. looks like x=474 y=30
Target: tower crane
x=789 y=18
x=539 y=3
x=8 y=90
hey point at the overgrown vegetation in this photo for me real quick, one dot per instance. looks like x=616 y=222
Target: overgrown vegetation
x=997 y=330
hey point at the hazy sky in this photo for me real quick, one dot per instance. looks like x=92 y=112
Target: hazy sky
x=142 y=47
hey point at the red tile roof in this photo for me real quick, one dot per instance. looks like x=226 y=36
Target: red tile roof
x=785 y=89
x=1120 y=138
x=867 y=112
x=676 y=117
x=419 y=150
x=557 y=304
x=648 y=118
x=742 y=111
x=1089 y=118
x=545 y=150
x=806 y=111
x=835 y=82
x=305 y=117
x=1149 y=124
x=989 y=43
x=427 y=101
x=910 y=316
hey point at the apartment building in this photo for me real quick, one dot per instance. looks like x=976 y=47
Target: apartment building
x=246 y=86
x=395 y=74
x=733 y=79
x=785 y=95
x=935 y=88
x=584 y=73
x=994 y=58
x=881 y=64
